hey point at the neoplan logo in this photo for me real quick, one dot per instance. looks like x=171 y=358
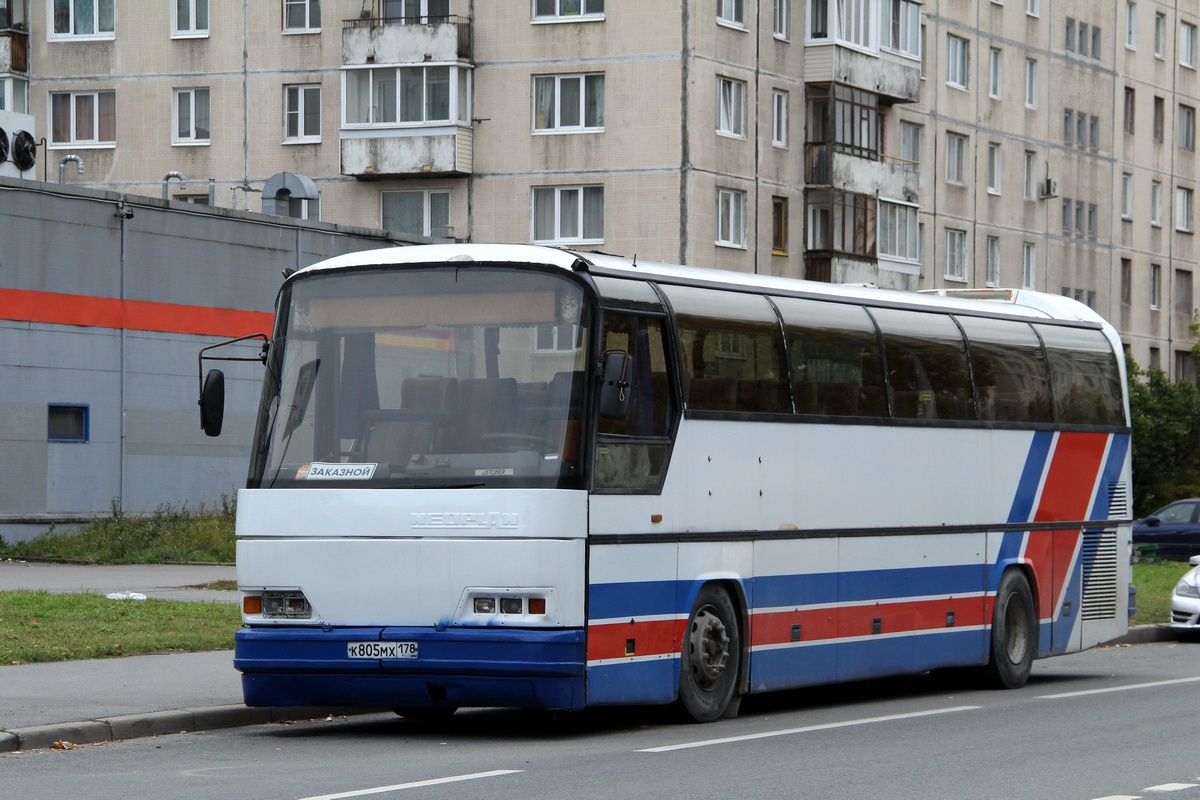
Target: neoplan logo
x=466 y=519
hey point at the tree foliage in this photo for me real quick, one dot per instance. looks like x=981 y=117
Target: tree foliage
x=1165 y=416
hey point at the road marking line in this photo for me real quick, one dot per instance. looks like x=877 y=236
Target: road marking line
x=415 y=785
x=788 y=732
x=1121 y=797
x=1170 y=787
x=1118 y=688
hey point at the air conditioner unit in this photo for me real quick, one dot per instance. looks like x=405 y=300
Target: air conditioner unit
x=1049 y=188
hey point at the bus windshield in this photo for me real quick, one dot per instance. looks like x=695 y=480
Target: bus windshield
x=457 y=376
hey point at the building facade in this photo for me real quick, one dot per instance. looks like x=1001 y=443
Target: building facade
x=912 y=145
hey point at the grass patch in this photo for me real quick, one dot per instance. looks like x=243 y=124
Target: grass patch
x=168 y=536
x=39 y=626
x=1155 y=582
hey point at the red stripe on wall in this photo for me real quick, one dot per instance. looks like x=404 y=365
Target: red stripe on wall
x=135 y=315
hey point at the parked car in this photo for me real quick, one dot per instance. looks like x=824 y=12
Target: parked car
x=1185 y=600
x=1175 y=528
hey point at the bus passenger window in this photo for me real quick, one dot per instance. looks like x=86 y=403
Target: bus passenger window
x=836 y=362
x=631 y=452
x=927 y=365
x=1010 y=370
x=1084 y=378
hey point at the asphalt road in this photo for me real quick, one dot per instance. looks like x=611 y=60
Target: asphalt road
x=1115 y=722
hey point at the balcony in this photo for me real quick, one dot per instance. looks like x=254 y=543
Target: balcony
x=440 y=151
x=14 y=51
x=857 y=170
x=406 y=40
x=894 y=78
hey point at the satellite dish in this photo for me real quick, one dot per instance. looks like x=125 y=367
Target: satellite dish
x=3 y=145
x=24 y=150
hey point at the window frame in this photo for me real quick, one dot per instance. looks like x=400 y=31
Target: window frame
x=1130 y=25
x=195 y=31
x=955 y=261
x=899 y=223
x=1186 y=139
x=192 y=139
x=956 y=158
x=98 y=19
x=732 y=13
x=779 y=225
x=308 y=27
x=458 y=84
x=992 y=276
x=1156 y=196
x=995 y=168
x=584 y=15
x=1127 y=196
x=1156 y=287
x=1031 y=87
x=995 y=73
x=427 y=211
x=1184 y=210
x=783 y=20
x=731 y=218
x=901 y=29
x=731 y=107
x=1030 y=190
x=1160 y=35
x=958 y=62
x=97 y=113
x=587 y=85
x=83 y=411
x=584 y=191
x=1187 y=44
x=779 y=117
x=1029 y=265
x=299 y=113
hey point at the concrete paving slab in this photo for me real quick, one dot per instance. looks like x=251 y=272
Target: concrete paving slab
x=160 y=581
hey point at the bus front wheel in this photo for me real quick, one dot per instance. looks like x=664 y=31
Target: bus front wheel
x=1014 y=633
x=709 y=656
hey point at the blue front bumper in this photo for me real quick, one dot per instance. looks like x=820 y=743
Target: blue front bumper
x=457 y=667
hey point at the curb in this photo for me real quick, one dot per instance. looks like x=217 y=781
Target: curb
x=157 y=723
x=1147 y=634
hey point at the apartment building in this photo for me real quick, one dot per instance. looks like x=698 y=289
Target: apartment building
x=913 y=145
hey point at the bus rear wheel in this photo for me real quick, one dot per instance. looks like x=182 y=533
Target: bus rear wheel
x=710 y=656
x=1014 y=633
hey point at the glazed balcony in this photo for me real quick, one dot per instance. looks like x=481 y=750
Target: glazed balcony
x=406 y=40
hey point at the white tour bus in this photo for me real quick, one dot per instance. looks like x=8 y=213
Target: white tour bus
x=503 y=475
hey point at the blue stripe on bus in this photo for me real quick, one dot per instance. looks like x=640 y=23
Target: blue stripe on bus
x=633 y=682
x=1031 y=477
x=634 y=599
x=1110 y=475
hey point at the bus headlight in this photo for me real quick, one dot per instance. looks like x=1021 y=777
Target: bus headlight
x=284 y=605
x=524 y=607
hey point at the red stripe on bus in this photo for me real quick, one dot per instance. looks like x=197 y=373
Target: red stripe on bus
x=825 y=624
x=137 y=315
x=652 y=638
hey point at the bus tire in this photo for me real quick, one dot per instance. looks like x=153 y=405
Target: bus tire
x=1014 y=633
x=710 y=656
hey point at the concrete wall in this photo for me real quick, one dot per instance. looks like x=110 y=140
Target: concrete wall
x=78 y=283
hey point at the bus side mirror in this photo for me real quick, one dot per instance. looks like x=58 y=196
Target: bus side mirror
x=614 y=390
x=212 y=402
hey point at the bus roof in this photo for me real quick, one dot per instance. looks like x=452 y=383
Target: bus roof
x=1017 y=302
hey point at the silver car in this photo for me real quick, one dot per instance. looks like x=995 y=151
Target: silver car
x=1185 y=600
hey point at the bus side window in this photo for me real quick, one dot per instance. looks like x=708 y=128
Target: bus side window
x=631 y=452
x=927 y=365
x=1010 y=370
x=835 y=356
x=1084 y=379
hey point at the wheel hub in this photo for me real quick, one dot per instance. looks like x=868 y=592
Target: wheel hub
x=708 y=646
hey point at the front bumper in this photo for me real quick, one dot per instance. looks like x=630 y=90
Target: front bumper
x=1185 y=612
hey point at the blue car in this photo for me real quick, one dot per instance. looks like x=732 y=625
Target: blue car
x=1175 y=528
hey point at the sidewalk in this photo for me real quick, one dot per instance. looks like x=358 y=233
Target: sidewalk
x=104 y=700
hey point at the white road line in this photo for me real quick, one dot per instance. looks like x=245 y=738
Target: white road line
x=1170 y=787
x=789 y=731
x=415 y=785
x=1121 y=797
x=1118 y=688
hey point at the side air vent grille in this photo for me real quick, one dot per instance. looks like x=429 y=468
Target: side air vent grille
x=1099 y=575
x=1118 y=501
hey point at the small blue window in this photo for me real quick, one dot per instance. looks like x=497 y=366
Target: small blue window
x=67 y=423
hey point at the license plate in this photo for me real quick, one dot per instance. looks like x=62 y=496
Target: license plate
x=381 y=649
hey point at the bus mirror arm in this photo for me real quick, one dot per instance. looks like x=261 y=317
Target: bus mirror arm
x=614 y=387
x=212 y=385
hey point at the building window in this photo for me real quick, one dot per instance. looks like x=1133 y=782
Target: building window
x=843 y=222
x=783 y=18
x=417 y=213
x=956 y=254
x=1079 y=212
x=1069 y=36
x=899 y=235
x=1126 y=195
x=995 y=73
x=1126 y=281
x=1130 y=25
x=1030 y=83
x=191 y=18
x=567 y=103
x=1083 y=38
x=1130 y=109
x=1160 y=35
x=14 y=95
x=958 y=52
x=1156 y=196
x=1081 y=129
x=902 y=27
x=994 y=168
x=67 y=423
x=1068 y=125
x=302 y=113
x=571 y=10
x=1028 y=265
x=1093 y=216
x=301 y=15
x=844 y=117
x=956 y=155
x=1094 y=131
x=1183 y=291
x=1156 y=286
x=731 y=107
x=779 y=226
x=1033 y=7
x=1031 y=187
x=910 y=142
x=779 y=126
x=731 y=12
x=1187 y=44
x=73 y=18
x=83 y=118
x=391 y=96
x=1067 y=205
x=1187 y=127
x=1096 y=41
x=191 y=117
x=1183 y=209
x=731 y=218
x=1160 y=114
x=568 y=214
x=993 y=261
x=818 y=19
